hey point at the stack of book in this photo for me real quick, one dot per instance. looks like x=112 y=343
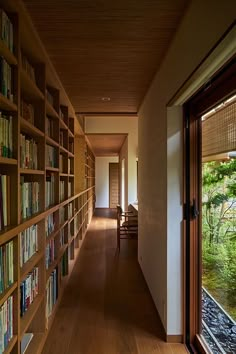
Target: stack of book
x=62 y=215
x=49 y=97
x=28 y=67
x=51 y=292
x=49 y=127
x=6 y=30
x=6 y=323
x=28 y=243
x=69 y=189
x=50 y=190
x=50 y=253
x=6 y=79
x=28 y=153
x=62 y=191
x=51 y=156
x=50 y=224
x=64 y=264
x=4 y=201
x=6 y=266
x=6 y=146
x=70 y=210
x=29 y=290
x=62 y=237
x=27 y=111
x=29 y=198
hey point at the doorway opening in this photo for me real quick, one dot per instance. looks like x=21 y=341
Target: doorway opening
x=113 y=184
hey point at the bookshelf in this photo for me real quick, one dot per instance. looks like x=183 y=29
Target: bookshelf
x=45 y=209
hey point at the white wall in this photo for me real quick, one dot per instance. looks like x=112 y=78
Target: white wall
x=102 y=180
x=160 y=169
x=123 y=125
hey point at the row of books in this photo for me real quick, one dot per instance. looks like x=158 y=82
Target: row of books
x=6 y=142
x=29 y=290
x=50 y=253
x=62 y=237
x=62 y=215
x=62 y=164
x=62 y=190
x=70 y=210
x=71 y=146
x=29 y=198
x=6 y=79
x=4 y=201
x=50 y=128
x=6 y=28
x=6 y=266
x=28 y=152
x=51 y=156
x=27 y=111
x=51 y=292
x=49 y=97
x=63 y=139
x=6 y=323
x=69 y=189
x=28 y=243
x=71 y=230
x=50 y=224
x=64 y=264
x=50 y=189
x=28 y=67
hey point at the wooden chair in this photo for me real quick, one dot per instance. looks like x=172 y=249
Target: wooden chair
x=127 y=225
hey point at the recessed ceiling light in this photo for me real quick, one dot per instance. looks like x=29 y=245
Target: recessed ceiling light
x=106 y=99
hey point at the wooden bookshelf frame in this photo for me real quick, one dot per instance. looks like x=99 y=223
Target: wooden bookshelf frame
x=33 y=92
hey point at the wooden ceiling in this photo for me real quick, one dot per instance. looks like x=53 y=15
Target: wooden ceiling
x=106 y=48
x=106 y=144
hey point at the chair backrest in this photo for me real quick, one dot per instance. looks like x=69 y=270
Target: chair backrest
x=119 y=211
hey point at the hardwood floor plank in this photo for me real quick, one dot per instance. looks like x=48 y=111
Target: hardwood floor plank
x=106 y=307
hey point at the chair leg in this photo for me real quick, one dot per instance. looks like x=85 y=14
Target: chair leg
x=118 y=240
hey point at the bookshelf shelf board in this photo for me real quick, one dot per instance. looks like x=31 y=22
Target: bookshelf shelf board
x=29 y=128
x=6 y=104
x=71 y=135
x=11 y=345
x=50 y=110
x=52 y=235
x=8 y=233
x=7 y=54
x=7 y=161
x=70 y=154
x=29 y=315
x=63 y=124
x=36 y=343
x=63 y=225
x=29 y=88
x=63 y=174
x=27 y=267
x=52 y=266
x=50 y=141
x=8 y=292
x=52 y=169
x=71 y=176
x=28 y=171
x=63 y=150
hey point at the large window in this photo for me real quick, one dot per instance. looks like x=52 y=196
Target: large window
x=210 y=213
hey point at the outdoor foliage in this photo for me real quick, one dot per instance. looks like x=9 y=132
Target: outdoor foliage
x=219 y=231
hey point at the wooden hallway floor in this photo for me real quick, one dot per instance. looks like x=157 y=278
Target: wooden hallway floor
x=106 y=307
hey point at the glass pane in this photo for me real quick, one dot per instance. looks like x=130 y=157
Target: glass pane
x=219 y=231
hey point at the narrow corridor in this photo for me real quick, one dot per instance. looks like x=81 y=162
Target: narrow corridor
x=106 y=307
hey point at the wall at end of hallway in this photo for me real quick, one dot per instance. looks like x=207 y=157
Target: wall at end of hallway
x=102 y=180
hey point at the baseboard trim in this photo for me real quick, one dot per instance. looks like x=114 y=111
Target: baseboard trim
x=174 y=338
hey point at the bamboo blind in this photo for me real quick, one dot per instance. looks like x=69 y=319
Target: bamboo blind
x=219 y=131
